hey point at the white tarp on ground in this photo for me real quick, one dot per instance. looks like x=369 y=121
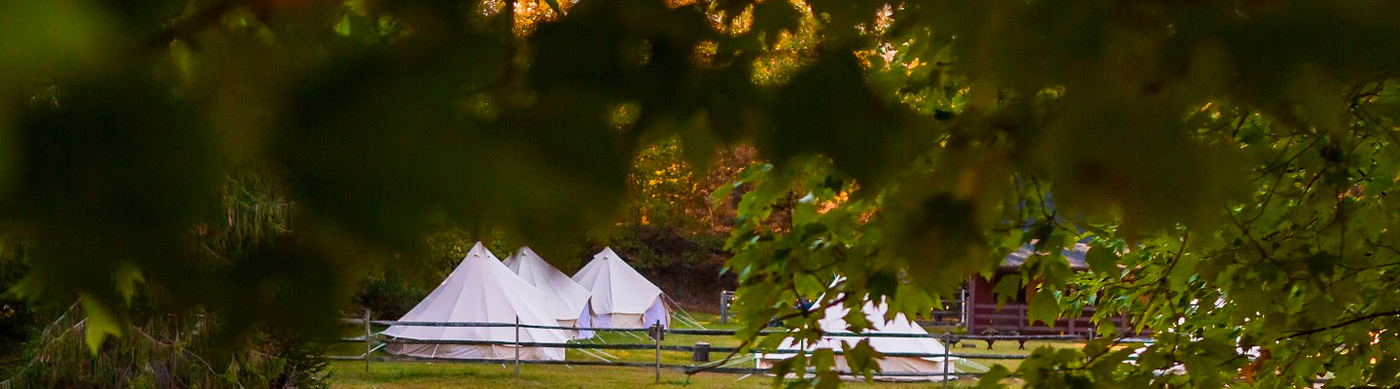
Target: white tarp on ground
x=568 y=301
x=834 y=321
x=480 y=290
x=622 y=298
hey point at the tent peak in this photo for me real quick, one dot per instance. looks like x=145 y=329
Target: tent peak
x=607 y=252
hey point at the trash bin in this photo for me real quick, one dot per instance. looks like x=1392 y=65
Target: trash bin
x=702 y=352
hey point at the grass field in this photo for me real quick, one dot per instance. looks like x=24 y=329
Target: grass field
x=416 y=375
x=399 y=375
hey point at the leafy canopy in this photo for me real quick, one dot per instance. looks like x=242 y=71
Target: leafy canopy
x=1236 y=152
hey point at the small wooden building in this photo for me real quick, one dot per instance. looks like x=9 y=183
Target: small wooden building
x=983 y=315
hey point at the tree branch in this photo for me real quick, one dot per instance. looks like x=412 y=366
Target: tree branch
x=1340 y=325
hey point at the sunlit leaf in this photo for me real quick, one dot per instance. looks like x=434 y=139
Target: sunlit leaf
x=101 y=323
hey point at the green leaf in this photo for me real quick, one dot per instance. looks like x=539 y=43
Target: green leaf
x=808 y=285
x=720 y=195
x=1204 y=371
x=862 y=358
x=827 y=380
x=1102 y=261
x=753 y=172
x=101 y=323
x=1044 y=308
x=910 y=301
x=1104 y=366
x=823 y=359
x=343 y=27
x=1006 y=288
x=797 y=364
x=804 y=213
x=126 y=276
x=992 y=378
x=1054 y=270
x=1183 y=271
x=1096 y=347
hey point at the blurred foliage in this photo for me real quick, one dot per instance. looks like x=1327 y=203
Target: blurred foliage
x=165 y=338
x=1233 y=151
x=167 y=351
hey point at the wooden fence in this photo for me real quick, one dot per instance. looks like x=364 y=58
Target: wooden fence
x=373 y=342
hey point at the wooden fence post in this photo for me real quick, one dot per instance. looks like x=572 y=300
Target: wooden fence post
x=368 y=345
x=517 y=346
x=946 y=351
x=656 y=334
x=723 y=308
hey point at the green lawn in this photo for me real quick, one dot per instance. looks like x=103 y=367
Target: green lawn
x=667 y=357
x=409 y=375
x=1006 y=347
x=405 y=375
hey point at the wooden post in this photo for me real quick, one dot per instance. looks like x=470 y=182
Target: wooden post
x=368 y=345
x=946 y=341
x=517 y=346
x=970 y=307
x=723 y=308
x=656 y=334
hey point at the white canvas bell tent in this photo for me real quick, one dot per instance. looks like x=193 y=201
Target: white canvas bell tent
x=568 y=301
x=622 y=298
x=834 y=322
x=480 y=290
